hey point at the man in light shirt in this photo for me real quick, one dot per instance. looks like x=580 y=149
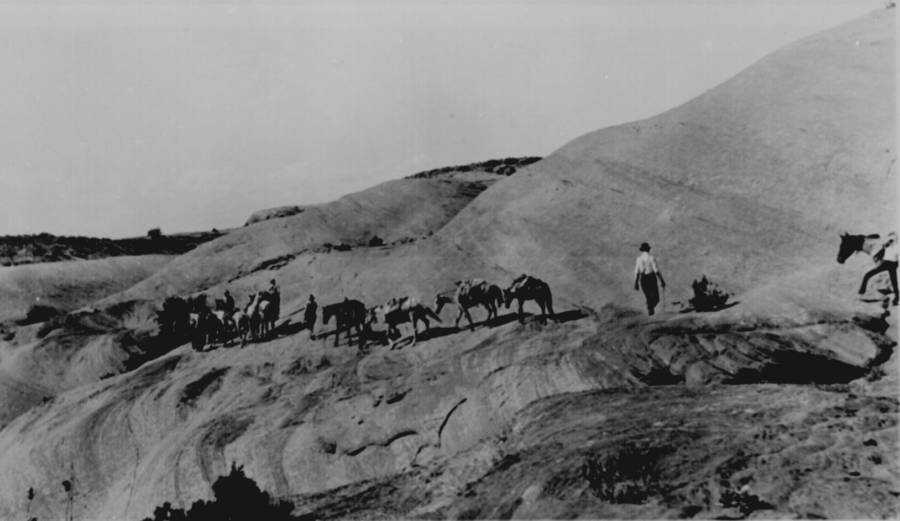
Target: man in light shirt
x=886 y=258
x=646 y=271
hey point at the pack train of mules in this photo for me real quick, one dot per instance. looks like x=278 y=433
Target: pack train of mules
x=352 y=315
x=192 y=317
x=223 y=324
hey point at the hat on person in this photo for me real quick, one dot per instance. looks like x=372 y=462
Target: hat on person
x=644 y=247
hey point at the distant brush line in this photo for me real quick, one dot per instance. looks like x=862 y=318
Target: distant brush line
x=45 y=247
x=506 y=166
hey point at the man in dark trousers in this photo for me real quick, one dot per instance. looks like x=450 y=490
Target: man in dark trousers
x=274 y=298
x=646 y=271
x=886 y=260
x=309 y=316
x=229 y=302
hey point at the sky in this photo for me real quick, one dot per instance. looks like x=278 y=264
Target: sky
x=117 y=118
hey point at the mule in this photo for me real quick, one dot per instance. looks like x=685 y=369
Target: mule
x=400 y=311
x=526 y=287
x=205 y=328
x=872 y=246
x=851 y=244
x=254 y=317
x=468 y=294
x=348 y=314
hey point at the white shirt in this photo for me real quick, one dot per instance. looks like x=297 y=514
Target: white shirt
x=645 y=264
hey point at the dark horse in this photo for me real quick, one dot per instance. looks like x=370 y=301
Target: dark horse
x=851 y=244
x=869 y=244
x=348 y=314
x=470 y=294
x=526 y=287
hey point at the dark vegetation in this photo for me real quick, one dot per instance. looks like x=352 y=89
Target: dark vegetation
x=40 y=313
x=237 y=497
x=44 y=247
x=708 y=296
x=506 y=166
x=630 y=475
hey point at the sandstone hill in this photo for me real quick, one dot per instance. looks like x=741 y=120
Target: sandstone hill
x=783 y=405
x=752 y=180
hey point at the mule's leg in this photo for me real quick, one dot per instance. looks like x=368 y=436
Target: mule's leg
x=469 y=318
x=521 y=313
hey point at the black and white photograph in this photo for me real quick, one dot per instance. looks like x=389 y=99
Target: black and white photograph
x=425 y=259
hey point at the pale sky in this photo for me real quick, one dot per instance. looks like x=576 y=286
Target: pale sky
x=116 y=119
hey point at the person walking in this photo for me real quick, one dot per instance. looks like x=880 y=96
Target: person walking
x=274 y=299
x=646 y=271
x=309 y=316
x=886 y=259
x=229 y=302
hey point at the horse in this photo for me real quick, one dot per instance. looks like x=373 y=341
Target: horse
x=254 y=319
x=402 y=310
x=205 y=328
x=261 y=315
x=241 y=325
x=348 y=314
x=870 y=245
x=468 y=294
x=526 y=287
x=266 y=323
x=851 y=244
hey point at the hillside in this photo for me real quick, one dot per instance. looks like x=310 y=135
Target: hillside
x=396 y=212
x=506 y=167
x=750 y=181
x=70 y=285
x=783 y=405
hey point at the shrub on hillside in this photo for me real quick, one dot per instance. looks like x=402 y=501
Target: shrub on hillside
x=237 y=497
x=40 y=313
x=630 y=475
x=707 y=295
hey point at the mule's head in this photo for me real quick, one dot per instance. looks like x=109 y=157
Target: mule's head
x=438 y=302
x=507 y=297
x=850 y=244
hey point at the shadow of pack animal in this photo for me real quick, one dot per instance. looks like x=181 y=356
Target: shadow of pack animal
x=349 y=314
x=469 y=294
x=401 y=311
x=526 y=287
